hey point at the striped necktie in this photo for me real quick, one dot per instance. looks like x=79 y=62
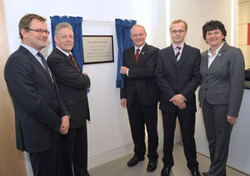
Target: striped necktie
x=72 y=58
x=177 y=56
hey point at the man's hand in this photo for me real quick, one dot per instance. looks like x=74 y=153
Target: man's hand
x=64 y=125
x=124 y=102
x=182 y=106
x=123 y=70
x=178 y=99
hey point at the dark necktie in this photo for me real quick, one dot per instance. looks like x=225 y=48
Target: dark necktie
x=178 y=48
x=72 y=58
x=137 y=55
x=44 y=62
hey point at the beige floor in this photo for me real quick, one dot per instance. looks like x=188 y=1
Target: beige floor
x=118 y=167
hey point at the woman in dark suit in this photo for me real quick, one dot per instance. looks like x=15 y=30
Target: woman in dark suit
x=222 y=70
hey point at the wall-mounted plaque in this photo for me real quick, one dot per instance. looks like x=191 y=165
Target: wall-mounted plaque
x=98 y=49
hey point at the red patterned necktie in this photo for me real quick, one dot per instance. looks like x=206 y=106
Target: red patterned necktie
x=137 y=55
x=74 y=61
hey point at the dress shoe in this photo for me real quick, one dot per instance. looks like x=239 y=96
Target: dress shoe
x=196 y=173
x=133 y=161
x=205 y=173
x=152 y=165
x=165 y=171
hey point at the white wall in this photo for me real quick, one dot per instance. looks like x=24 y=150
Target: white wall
x=108 y=132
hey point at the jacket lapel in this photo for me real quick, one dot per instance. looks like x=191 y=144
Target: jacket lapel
x=171 y=55
x=37 y=63
x=184 y=55
x=219 y=55
x=205 y=60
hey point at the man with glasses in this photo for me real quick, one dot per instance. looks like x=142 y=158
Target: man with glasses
x=40 y=116
x=178 y=76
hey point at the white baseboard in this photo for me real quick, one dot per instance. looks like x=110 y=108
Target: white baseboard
x=112 y=154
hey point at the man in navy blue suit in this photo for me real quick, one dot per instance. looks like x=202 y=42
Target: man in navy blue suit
x=178 y=76
x=40 y=116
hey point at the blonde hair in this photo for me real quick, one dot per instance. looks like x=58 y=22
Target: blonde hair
x=179 y=21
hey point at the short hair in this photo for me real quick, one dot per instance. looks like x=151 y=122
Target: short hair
x=213 y=25
x=138 y=25
x=179 y=21
x=26 y=20
x=60 y=26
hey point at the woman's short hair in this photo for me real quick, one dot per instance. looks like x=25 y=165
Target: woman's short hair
x=213 y=25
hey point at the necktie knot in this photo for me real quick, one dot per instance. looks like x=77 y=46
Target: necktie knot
x=40 y=55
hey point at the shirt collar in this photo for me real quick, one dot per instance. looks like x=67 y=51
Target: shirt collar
x=66 y=53
x=216 y=52
x=32 y=50
x=139 y=48
x=181 y=45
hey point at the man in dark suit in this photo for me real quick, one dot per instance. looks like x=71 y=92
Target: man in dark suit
x=178 y=76
x=140 y=94
x=39 y=114
x=72 y=86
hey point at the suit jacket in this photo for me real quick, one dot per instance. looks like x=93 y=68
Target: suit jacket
x=72 y=86
x=141 y=75
x=38 y=109
x=178 y=78
x=223 y=81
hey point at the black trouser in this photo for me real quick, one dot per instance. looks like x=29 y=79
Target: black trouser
x=74 y=152
x=46 y=163
x=139 y=116
x=187 y=125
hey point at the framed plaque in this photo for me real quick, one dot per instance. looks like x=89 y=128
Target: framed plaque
x=98 y=49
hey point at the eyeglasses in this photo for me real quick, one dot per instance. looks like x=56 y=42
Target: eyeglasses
x=39 y=31
x=179 y=31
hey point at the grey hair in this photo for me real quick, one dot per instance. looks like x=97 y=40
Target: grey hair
x=60 y=26
x=137 y=25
